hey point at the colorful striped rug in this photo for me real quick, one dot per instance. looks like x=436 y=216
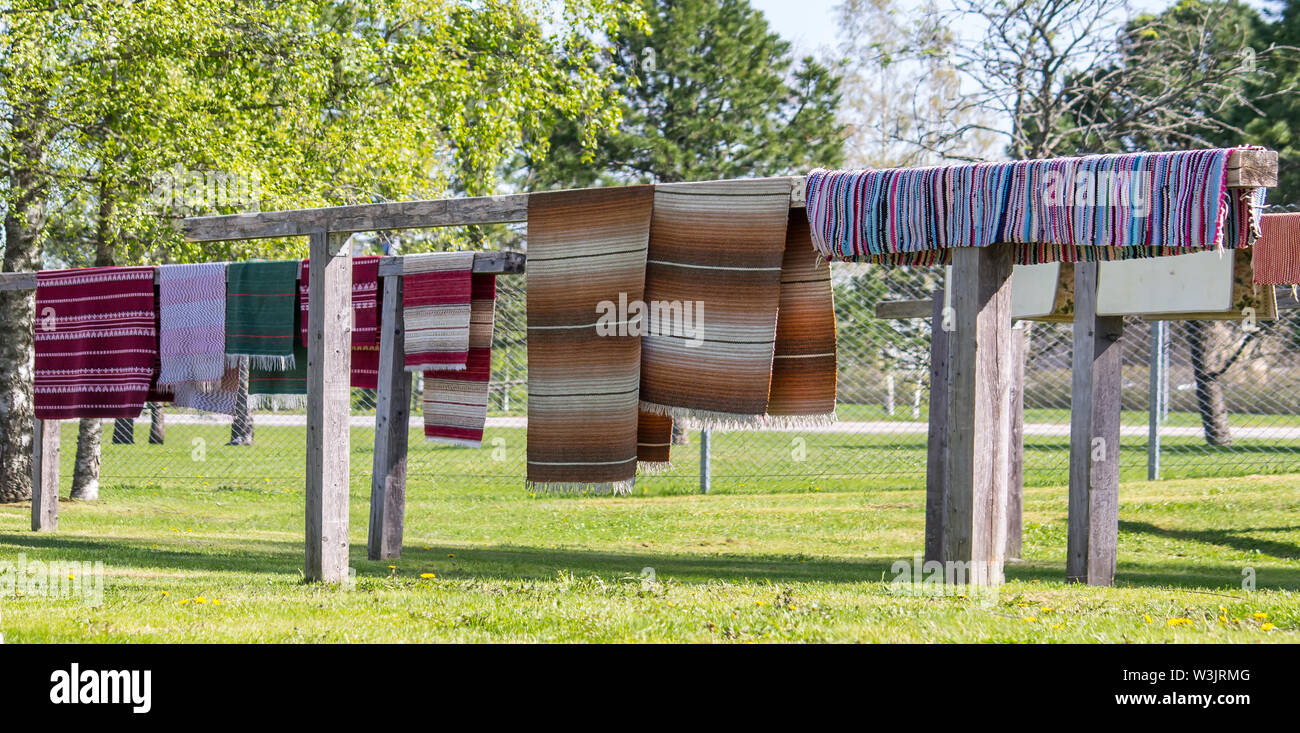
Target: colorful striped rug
x=95 y=341
x=1090 y=208
x=192 y=324
x=436 y=293
x=261 y=310
x=456 y=402
x=585 y=249
x=1276 y=256
x=716 y=253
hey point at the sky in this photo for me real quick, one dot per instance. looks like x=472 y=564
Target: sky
x=810 y=24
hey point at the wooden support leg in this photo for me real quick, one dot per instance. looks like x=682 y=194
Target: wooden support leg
x=392 y=426
x=1016 y=463
x=937 y=448
x=45 y=476
x=1094 y=436
x=979 y=412
x=329 y=356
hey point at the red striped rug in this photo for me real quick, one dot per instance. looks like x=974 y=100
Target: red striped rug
x=1276 y=254
x=96 y=342
x=456 y=402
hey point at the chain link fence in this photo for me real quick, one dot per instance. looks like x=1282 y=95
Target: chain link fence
x=1243 y=384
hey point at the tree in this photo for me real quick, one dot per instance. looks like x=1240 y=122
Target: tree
x=1057 y=77
x=706 y=91
x=321 y=101
x=900 y=84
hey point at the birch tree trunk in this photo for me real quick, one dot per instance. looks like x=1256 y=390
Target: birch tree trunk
x=25 y=218
x=85 y=472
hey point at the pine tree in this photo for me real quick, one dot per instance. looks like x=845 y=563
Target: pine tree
x=707 y=91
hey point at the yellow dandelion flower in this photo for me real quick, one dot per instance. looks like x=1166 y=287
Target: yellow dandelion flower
x=200 y=599
x=1223 y=619
x=392 y=567
x=183 y=602
x=1057 y=626
x=427 y=575
x=1029 y=619
x=1259 y=616
x=1180 y=622
x=451 y=554
x=1147 y=617
x=1267 y=627
x=166 y=593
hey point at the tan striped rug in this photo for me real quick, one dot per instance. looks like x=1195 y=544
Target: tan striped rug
x=584 y=248
x=654 y=441
x=804 y=365
x=720 y=245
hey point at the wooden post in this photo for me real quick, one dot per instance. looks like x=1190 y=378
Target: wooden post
x=329 y=356
x=979 y=412
x=45 y=476
x=1094 y=436
x=1016 y=463
x=392 y=428
x=937 y=447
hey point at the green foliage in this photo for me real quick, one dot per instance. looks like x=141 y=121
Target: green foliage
x=312 y=102
x=707 y=91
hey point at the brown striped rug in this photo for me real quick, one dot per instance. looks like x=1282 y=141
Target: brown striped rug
x=717 y=247
x=654 y=441
x=585 y=248
x=803 y=366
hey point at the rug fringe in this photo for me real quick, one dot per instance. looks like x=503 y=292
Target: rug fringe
x=277 y=402
x=798 y=422
x=436 y=367
x=561 y=488
x=459 y=442
x=650 y=468
x=264 y=362
x=691 y=418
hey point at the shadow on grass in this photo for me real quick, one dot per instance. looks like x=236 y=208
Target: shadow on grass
x=521 y=562
x=1235 y=538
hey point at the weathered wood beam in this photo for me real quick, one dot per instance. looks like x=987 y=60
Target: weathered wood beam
x=979 y=413
x=329 y=355
x=936 y=495
x=1252 y=168
x=1093 y=520
x=897 y=309
x=1016 y=463
x=495 y=263
x=392 y=419
x=45 y=476
x=359 y=218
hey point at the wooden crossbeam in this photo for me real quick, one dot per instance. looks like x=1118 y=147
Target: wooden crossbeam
x=493 y=263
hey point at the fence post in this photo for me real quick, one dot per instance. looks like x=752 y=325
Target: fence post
x=1016 y=462
x=392 y=429
x=706 y=466
x=1093 y=530
x=329 y=355
x=979 y=412
x=936 y=498
x=1155 y=398
x=45 y=475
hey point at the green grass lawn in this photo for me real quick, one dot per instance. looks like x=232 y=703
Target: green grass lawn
x=210 y=552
